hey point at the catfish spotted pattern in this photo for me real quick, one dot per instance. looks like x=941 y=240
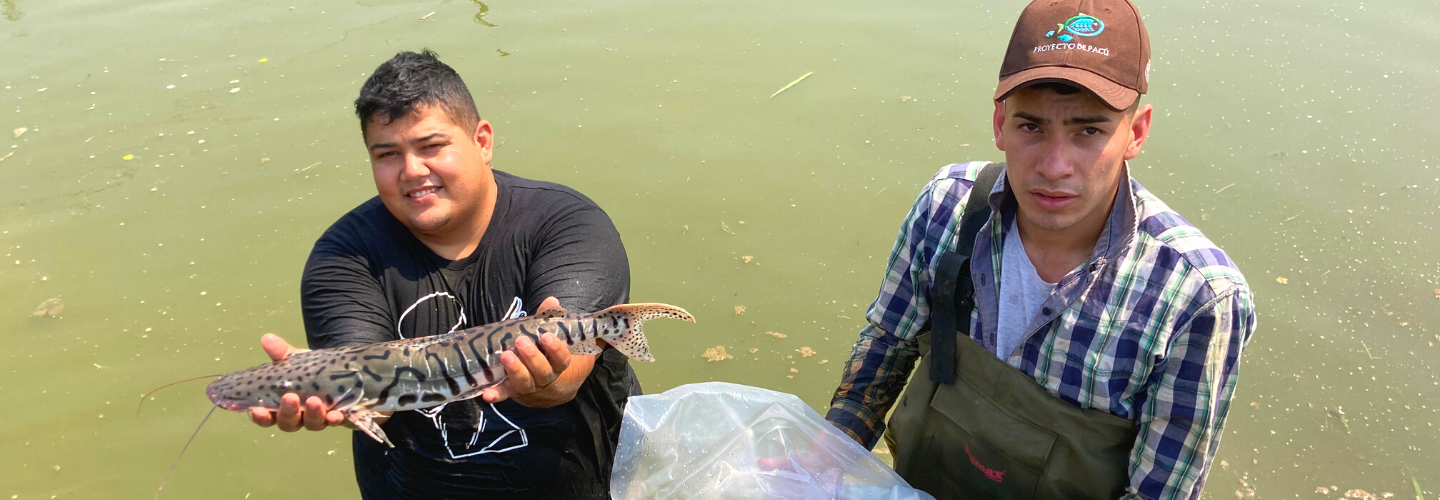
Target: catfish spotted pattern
x=410 y=374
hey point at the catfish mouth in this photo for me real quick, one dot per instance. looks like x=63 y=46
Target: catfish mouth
x=219 y=397
x=220 y=400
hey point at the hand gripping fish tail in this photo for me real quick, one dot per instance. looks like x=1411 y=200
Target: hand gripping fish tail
x=627 y=336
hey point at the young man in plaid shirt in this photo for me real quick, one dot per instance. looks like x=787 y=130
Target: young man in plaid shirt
x=1077 y=338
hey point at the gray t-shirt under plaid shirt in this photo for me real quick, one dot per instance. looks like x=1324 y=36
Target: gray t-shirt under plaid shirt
x=1021 y=294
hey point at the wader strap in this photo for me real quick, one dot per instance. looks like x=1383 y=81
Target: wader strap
x=952 y=279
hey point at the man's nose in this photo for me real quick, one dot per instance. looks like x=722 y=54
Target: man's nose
x=415 y=167
x=1053 y=162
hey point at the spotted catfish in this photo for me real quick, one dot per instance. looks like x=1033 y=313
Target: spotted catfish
x=428 y=371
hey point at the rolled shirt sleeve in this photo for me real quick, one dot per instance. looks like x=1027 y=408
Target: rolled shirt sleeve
x=1180 y=423
x=886 y=351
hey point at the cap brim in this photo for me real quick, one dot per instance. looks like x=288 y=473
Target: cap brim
x=1114 y=95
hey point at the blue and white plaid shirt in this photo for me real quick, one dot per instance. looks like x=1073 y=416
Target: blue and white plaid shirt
x=1149 y=328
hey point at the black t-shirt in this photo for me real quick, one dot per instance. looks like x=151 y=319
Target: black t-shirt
x=369 y=279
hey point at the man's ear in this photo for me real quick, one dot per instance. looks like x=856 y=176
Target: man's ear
x=485 y=138
x=1139 y=131
x=999 y=122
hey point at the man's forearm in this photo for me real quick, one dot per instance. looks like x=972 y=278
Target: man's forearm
x=873 y=379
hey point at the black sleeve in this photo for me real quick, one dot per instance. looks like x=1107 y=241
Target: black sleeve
x=341 y=296
x=579 y=260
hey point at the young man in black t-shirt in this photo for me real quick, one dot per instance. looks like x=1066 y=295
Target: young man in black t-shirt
x=449 y=244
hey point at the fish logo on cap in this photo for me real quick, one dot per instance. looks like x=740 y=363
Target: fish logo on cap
x=1081 y=25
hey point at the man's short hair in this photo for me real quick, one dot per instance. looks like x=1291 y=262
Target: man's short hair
x=1061 y=88
x=409 y=81
x=1066 y=88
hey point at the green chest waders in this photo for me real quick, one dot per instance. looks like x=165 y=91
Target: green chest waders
x=971 y=426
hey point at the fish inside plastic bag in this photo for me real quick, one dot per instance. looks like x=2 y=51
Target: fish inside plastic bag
x=721 y=441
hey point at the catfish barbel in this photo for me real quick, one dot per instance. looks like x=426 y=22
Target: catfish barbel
x=411 y=374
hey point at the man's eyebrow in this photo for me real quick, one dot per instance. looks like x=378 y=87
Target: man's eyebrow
x=1079 y=120
x=1086 y=120
x=1027 y=116
x=432 y=136
x=383 y=145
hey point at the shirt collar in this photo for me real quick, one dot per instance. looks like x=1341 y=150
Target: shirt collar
x=1120 y=228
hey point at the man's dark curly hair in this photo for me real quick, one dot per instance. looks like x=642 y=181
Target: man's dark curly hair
x=409 y=81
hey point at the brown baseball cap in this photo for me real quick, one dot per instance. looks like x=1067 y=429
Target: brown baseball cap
x=1098 y=45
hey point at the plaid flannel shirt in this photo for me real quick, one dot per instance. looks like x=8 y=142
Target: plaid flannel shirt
x=1150 y=328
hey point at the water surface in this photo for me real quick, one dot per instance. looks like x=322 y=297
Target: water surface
x=1298 y=136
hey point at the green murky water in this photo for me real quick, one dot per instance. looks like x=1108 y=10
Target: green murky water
x=1299 y=135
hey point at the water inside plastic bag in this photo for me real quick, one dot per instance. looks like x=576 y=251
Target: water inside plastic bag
x=717 y=440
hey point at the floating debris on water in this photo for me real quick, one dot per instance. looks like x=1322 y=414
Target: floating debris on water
x=792 y=84
x=739 y=310
x=50 y=308
x=1365 y=495
x=823 y=361
x=264 y=161
x=1282 y=281
x=777 y=335
x=717 y=353
x=1322 y=490
x=805 y=351
x=127 y=157
x=426 y=16
x=1367 y=349
x=21 y=131
x=1437 y=293
x=1245 y=490
x=754 y=350
x=905 y=98
x=234 y=90
x=794 y=370
x=745 y=259
x=1221 y=190
x=263 y=59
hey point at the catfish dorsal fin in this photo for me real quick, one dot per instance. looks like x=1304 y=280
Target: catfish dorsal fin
x=554 y=312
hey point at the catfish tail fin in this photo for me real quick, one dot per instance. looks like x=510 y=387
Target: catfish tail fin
x=621 y=326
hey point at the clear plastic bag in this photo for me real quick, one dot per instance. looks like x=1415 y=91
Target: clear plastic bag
x=727 y=441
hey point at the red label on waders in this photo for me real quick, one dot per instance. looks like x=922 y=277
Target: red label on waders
x=991 y=474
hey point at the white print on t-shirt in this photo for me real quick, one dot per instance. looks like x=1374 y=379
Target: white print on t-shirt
x=512 y=439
